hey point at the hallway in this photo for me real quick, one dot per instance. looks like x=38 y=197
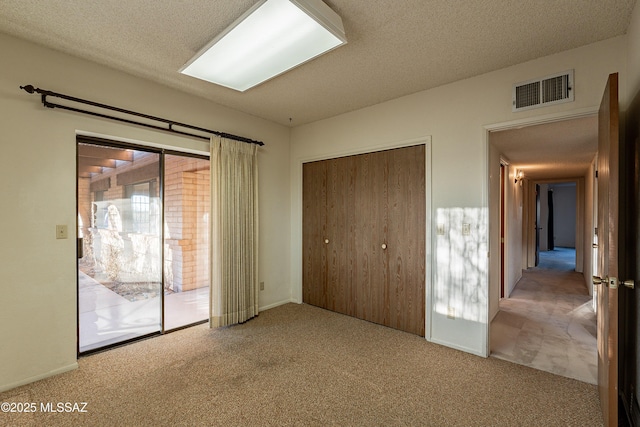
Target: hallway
x=548 y=323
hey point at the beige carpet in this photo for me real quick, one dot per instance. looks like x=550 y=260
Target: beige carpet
x=301 y=365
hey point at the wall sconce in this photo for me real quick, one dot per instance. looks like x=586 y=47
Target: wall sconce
x=519 y=177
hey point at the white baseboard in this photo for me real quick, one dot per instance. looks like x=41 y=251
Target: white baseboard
x=276 y=304
x=71 y=367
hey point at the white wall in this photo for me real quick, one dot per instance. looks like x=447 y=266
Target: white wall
x=544 y=217
x=633 y=56
x=513 y=249
x=38 y=188
x=589 y=227
x=513 y=233
x=494 y=230
x=456 y=116
x=529 y=224
x=564 y=214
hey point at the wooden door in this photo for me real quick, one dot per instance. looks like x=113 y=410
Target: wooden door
x=629 y=298
x=338 y=232
x=364 y=236
x=607 y=299
x=404 y=238
x=314 y=233
x=328 y=210
x=371 y=207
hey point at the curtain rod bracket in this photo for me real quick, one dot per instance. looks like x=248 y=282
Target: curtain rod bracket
x=44 y=93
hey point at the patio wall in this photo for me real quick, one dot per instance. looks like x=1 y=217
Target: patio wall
x=129 y=257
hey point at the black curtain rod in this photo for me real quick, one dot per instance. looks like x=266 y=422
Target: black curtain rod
x=44 y=93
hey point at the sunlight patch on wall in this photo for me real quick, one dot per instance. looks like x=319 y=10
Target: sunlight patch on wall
x=460 y=288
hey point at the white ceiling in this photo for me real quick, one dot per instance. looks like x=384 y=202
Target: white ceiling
x=395 y=47
x=551 y=151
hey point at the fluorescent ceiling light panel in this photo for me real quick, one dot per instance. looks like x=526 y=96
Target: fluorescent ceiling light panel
x=271 y=38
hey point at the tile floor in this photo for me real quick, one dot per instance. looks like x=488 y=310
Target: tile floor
x=107 y=318
x=548 y=322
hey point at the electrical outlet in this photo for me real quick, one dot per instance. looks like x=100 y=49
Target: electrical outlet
x=466 y=229
x=262 y=286
x=61 y=232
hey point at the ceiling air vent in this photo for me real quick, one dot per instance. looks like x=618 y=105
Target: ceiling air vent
x=549 y=90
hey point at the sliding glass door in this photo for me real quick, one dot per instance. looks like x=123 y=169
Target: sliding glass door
x=143 y=221
x=186 y=240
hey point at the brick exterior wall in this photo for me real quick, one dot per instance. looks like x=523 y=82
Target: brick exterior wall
x=187 y=201
x=187 y=196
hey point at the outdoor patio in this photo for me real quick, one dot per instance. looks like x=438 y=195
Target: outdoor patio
x=105 y=317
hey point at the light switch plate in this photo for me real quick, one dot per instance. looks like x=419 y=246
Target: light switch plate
x=451 y=313
x=466 y=229
x=61 y=232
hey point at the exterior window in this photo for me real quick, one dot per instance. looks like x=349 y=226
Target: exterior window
x=143 y=213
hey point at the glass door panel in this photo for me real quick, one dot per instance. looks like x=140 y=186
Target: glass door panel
x=120 y=256
x=186 y=240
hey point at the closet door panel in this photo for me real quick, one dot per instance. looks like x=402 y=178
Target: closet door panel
x=314 y=219
x=370 y=218
x=405 y=236
x=364 y=236
x=339 y=232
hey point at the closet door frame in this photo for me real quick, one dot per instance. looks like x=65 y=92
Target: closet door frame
x=429 y=231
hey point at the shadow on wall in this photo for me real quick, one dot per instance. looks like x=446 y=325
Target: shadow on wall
x=461 y=263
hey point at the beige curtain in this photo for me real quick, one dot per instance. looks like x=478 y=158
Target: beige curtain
x=234 y=232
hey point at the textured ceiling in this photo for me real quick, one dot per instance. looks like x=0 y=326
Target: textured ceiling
x=394 y=47
x=557 y=150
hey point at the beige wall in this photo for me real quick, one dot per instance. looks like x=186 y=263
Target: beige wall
x=494 y=230
x=633 y=56
x=37 y=167
x=564 y=212
x=513 y=233
x=589 y=227
x=456 y=116
x=37 y=172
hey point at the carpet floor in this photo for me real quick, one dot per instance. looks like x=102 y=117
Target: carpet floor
x=301 y=365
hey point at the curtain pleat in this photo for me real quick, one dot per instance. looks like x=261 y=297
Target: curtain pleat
x=234 y=232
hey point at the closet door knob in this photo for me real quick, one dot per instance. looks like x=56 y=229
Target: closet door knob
x=384 y=246
x=326 y=241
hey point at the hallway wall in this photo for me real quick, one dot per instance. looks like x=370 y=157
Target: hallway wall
x=564 y=215
x=513 y=245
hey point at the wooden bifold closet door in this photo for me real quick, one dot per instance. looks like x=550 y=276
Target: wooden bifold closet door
x=364 y=236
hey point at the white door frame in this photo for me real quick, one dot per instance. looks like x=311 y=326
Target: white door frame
x=514 y=124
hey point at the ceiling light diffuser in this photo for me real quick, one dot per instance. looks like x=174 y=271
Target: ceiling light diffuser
x=271 y=38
